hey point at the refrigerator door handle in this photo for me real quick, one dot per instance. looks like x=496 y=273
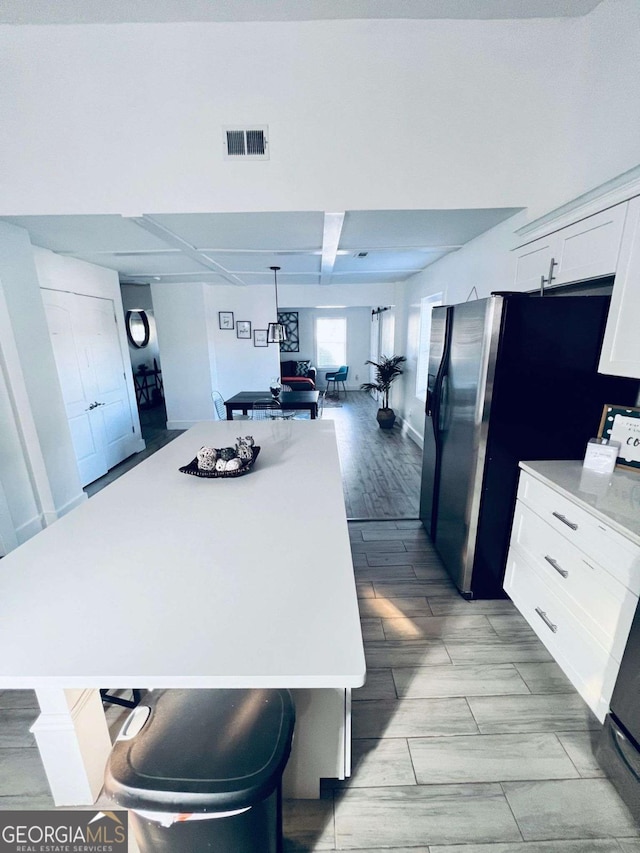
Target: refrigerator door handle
x=431 y=383
x=440 y=379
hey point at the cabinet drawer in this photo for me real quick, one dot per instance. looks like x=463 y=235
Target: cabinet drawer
x=583 y=660
x=598 y=600
x=615 y=553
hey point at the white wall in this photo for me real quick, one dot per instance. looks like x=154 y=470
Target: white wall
x=183 y=337
x=347 y=295
x=607 y=100
x=240 y=365
x=198 y=356
x=362 y=114
x=486 y=264
x=19 y=511
x=45 y=484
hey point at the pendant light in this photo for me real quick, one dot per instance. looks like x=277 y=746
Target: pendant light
x=276 y=333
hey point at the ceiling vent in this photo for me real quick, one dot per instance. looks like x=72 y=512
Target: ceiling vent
x=361 y=254
x=248 y=143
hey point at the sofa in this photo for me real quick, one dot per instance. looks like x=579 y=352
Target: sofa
x=300 y=375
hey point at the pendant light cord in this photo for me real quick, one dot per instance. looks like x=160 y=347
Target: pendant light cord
x=275 y=277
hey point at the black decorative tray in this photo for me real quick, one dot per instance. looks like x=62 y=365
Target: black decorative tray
x=192 y=468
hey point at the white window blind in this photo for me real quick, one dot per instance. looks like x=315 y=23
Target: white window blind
x=331 y=341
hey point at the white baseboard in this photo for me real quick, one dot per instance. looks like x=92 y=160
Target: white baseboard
x=138 y=446
x=413 y=434
x=29 y=529
x=72 y=504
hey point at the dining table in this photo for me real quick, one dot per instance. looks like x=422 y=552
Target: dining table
x=163 y=580
x=295 y=401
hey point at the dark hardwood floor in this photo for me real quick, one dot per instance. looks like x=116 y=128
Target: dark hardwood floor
x=380 y=468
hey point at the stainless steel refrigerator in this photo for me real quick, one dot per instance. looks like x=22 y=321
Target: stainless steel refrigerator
x=511 y=377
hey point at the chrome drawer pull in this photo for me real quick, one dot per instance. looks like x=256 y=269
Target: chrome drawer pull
x=546 y=620
x=565 y=520
x=559 y=569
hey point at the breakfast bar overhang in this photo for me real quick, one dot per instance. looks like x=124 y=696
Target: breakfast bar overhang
x=168 y=580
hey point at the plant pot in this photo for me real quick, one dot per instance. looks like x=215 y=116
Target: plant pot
x=386 y=418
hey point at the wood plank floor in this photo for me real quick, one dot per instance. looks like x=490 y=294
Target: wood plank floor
x=381 y=469
x=456 y=751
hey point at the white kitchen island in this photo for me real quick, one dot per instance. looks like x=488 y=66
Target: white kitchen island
x=169 y=580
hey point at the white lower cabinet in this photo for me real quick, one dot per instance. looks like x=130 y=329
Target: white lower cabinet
x=575 y=579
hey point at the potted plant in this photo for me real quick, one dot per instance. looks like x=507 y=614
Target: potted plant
x=387 y=370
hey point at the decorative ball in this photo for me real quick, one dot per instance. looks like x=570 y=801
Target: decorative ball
x=206 y=458
x=227 y=453
x=233 y=464
x=221 y=465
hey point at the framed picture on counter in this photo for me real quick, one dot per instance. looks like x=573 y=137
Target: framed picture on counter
x=622 y=423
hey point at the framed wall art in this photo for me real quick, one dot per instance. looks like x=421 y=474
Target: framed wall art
x=225 y=319
x=260 y=338
x=289 y=320
x=622 y=423
x=243 y=329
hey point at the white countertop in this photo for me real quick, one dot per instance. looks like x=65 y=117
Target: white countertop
x=614 y=498
x=169 y=580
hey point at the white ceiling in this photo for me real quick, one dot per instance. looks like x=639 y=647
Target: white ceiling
x=168 y=11
x=352 y=247
x=310 y=247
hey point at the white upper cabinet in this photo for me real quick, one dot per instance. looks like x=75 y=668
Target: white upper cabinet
x=587 y=249
x=534 y=262
x=595 y=235
x=621 y=346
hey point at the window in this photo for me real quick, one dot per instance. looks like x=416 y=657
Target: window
x=427 y=304
x=331 y=341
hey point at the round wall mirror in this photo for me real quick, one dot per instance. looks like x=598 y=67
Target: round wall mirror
x=137 y=325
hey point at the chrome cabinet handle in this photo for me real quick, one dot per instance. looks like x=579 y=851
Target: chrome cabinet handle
x=546 y=620
x=558 y=568
x=551 y=277
x=565 y=520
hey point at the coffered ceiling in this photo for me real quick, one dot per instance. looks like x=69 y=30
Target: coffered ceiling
x=310 y=247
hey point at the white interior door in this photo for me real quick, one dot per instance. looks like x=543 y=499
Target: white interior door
x=85 y=422
x=100 y=344
x=90 y=365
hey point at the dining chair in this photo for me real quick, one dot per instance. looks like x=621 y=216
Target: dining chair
x=270 y=409
x=218 y=403
x=321 y=397
x=337 y=377
x=221 y=410
x=265 y=410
